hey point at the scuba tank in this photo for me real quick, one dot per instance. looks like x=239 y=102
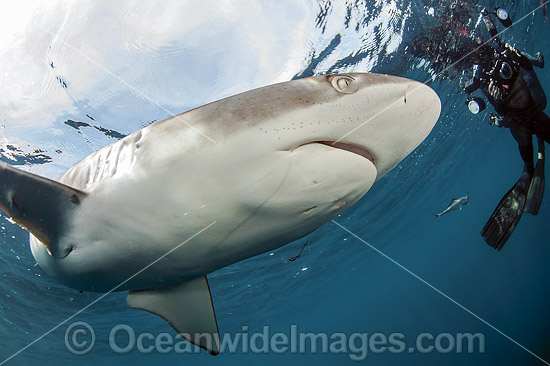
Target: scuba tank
x=535 y=89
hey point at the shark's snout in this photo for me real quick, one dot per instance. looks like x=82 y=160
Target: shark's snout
x=389 y=117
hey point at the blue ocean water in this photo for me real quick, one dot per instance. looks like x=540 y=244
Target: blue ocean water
x=78 y=77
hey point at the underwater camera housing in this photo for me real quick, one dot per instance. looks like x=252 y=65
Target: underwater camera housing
x=475 y=104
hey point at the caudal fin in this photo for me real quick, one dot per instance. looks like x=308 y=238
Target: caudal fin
x=40 y=205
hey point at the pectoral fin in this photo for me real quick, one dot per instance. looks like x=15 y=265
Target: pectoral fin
x=186 y=306
x=40 y=205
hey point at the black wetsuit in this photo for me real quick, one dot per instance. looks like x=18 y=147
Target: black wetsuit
x=519 y=99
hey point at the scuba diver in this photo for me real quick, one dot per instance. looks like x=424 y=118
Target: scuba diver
x=508 y=80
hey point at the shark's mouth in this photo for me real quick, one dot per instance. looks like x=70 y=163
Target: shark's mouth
x=348 y=147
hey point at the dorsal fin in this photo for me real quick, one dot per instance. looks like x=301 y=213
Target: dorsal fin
x=454 y=200
x=40 y=205
x=186 y=306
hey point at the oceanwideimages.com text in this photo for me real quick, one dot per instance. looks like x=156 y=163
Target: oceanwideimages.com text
x=80 y=339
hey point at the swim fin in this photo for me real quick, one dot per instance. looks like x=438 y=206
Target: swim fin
x=506 y=216
x=536 y=189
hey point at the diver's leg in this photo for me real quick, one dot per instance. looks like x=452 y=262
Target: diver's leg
x=536 y=188
x=506 y=216
x=525 y=144
x=541 y=125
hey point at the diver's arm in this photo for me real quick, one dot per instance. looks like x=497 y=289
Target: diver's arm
x=524 y=59
x=537 y=60
x=492 y=29
x=474 y=83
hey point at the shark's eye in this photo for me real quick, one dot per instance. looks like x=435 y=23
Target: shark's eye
x=344 y=84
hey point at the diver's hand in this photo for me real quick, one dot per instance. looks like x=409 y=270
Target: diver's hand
x=540 y=60
x=496 y=120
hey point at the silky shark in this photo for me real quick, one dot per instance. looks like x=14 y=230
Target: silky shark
x=158 y=210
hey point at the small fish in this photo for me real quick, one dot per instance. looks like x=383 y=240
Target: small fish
x=543 y=6
x=455 y=205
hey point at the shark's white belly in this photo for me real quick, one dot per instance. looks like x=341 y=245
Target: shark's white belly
x=143 y=227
